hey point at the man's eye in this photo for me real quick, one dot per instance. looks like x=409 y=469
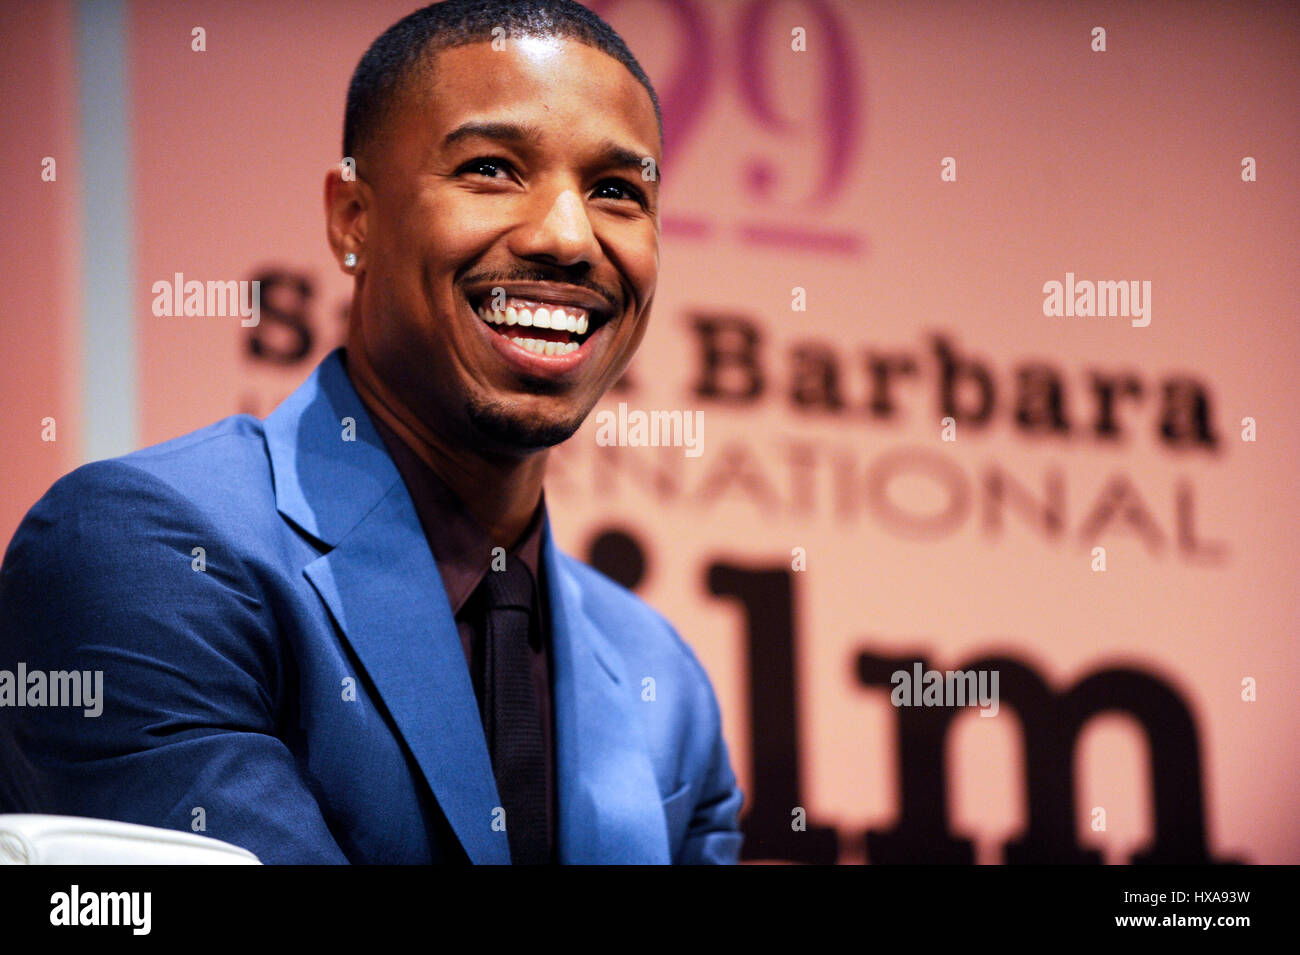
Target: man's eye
x=618 y=189
x=483 y=166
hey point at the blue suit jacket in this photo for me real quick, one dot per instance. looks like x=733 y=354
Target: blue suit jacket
x=306 y=694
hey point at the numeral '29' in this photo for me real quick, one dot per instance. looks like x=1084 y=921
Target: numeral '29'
x=762 y=63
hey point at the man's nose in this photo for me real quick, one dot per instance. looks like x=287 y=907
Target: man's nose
x=558 y=230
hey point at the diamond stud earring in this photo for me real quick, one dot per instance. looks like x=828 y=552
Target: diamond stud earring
x=350 y=260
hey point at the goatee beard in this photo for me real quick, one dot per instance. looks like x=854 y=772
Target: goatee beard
x=500 y=423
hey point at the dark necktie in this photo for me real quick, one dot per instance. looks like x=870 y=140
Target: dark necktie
x=511 y=720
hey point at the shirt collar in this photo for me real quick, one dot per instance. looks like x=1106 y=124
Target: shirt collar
x=461 y=547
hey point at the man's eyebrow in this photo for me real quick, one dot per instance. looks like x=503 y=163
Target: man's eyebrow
x=610 y=152
x=506 y=132
x=615 y=155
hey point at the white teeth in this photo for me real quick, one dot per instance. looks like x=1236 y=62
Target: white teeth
x=539 y=347
x=555 y=318
x=575 y=323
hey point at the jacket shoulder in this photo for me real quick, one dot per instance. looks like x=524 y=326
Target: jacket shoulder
x=229 y=453
x=217 y=475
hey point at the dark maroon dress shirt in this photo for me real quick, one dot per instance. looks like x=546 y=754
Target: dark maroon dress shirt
x=462 y=550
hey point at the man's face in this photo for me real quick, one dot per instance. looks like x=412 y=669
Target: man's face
x=511 y=185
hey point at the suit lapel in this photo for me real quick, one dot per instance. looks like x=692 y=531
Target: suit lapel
x=382 y=586
x=609 y=804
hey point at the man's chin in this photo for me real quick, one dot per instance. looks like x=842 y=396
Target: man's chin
x=502 y=425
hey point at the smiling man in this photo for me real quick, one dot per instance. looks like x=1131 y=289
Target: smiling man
x=346 y=633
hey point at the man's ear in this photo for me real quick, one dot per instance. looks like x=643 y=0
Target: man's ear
x=347 y=199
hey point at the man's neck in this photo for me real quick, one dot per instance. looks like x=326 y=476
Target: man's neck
x=501 y=493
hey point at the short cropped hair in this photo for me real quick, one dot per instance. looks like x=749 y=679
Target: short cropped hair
x=385 y=70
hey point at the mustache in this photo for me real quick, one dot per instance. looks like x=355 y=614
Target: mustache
x=558 y=276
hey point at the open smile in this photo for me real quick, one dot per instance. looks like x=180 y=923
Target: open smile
x=541 y=331
x=540 y=327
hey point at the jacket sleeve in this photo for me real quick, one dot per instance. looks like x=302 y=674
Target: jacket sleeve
x=713 y=836
x=180 y=671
